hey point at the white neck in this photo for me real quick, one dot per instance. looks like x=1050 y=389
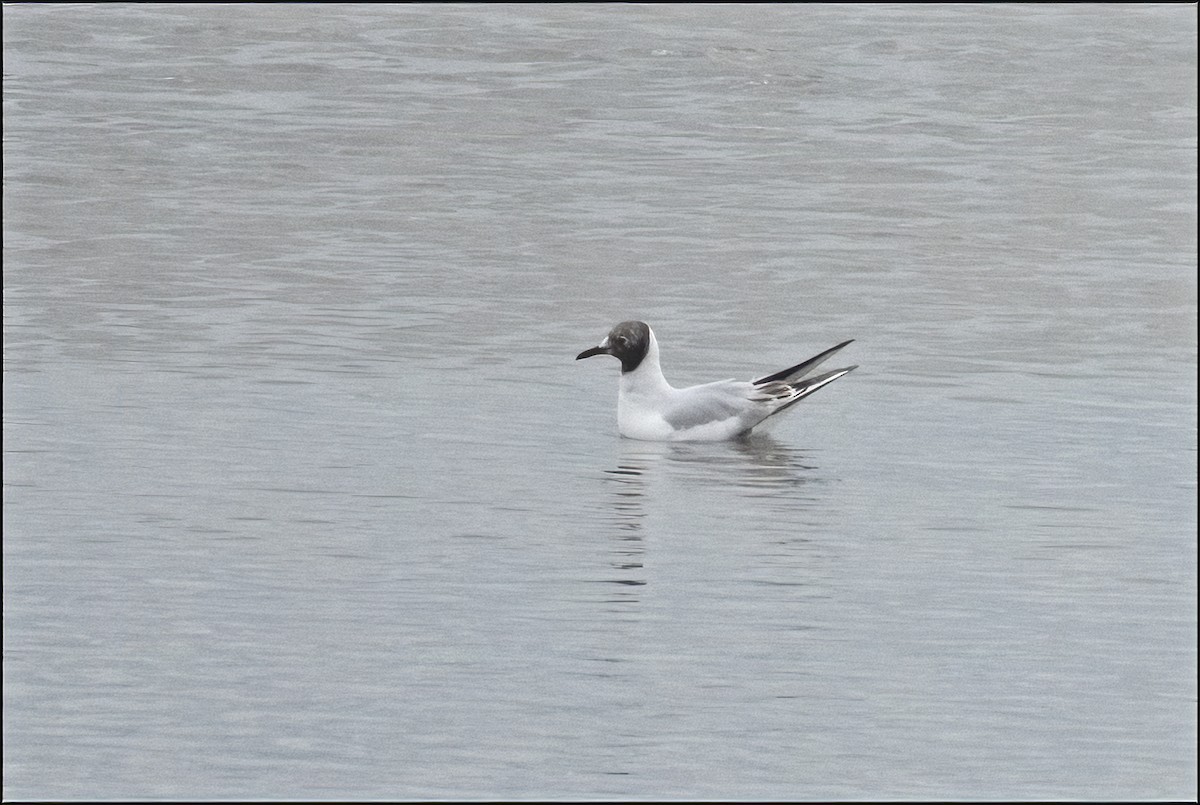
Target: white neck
x=647 y=379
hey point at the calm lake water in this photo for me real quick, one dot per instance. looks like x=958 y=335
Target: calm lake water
x=306 y=497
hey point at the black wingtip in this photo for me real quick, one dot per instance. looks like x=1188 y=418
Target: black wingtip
x=803 y=368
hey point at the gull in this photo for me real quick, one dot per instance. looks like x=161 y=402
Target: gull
x=651 y=409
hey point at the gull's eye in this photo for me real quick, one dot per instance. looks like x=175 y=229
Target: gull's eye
x=622 y=341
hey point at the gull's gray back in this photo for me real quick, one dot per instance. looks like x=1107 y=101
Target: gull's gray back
x=712 y=402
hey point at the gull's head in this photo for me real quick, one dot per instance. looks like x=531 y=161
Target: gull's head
x=628 y=342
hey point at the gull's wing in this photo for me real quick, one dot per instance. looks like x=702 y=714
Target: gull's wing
x=801 y=369
x=737 y=406
x=710 y=403
x=785 y=394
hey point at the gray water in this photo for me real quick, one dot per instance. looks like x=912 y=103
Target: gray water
x=306 y=497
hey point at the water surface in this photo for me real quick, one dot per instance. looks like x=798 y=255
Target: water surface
x=305 y=497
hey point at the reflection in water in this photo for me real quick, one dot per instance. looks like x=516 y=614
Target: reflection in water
x=628 y=548
x=757 y=467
